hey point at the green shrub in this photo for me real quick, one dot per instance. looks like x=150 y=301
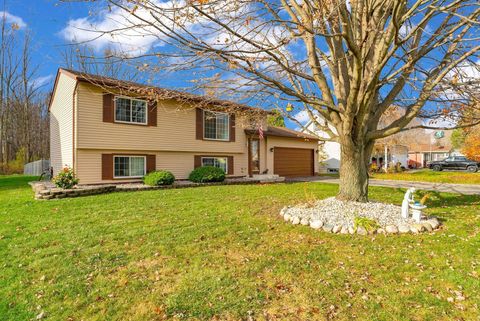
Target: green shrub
x=14 y=166
x=373 y=168
x=10 y=168
x=367 y=223
x=161 y=177
x=391 y=168
x=398 y=167
x=66 y=178
x=206 y=174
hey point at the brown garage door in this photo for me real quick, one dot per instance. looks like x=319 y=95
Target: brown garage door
x=293 y=162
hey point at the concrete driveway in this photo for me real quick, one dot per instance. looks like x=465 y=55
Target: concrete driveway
x=466 y=189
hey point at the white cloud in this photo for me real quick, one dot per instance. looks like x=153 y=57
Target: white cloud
x=404 y=30
x=116 y=29
x=408 y=27
x=135 y=34
x=10 y=18
x=462 y=82
x=302 y=117
x=440 y=123
x=467 y=71
x=349 y=5
x=120 y=30
x=40 y=81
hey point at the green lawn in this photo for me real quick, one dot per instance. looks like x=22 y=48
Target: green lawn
x=223 y=253
x=427 y=175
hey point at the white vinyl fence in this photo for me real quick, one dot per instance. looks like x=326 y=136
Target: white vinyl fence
x=37 y=167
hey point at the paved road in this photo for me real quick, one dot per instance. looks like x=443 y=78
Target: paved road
x=466 y=189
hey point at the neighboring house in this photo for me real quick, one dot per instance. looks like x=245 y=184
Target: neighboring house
x=331 y=150
x=392 y=153
x=430 y=147
x=422 y=154
x=112 y=131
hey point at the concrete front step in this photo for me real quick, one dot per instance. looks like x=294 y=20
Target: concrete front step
x=268 y=178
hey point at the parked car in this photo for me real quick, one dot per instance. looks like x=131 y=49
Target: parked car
x=456 y=163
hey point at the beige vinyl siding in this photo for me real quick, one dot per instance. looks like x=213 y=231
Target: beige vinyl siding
x=61 y=124
x=272 y=141
x=89 y=163
x=175 y=130
x=173 y=140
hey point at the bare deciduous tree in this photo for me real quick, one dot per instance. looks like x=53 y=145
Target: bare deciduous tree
x=348 y=61
x=84 y=58
x=24 y=130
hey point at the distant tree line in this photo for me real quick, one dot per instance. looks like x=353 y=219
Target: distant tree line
x=24 y=124
x=24 y=96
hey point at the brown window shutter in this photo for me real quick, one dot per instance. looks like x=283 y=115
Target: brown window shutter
x=152 y=113
x=151 y=163
x=230 y=165
x=197 y=162
x=199 y=123
x=108 y=108
x=232 y=127
x=107 y=166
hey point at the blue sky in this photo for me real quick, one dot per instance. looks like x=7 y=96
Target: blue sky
x=45 y=19
x=53 y=25
x=52 y=22
x=48 y=23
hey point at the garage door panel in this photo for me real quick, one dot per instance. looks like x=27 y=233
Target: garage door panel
x=291 y=162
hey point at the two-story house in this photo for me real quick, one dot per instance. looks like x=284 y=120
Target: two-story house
x=109 y=131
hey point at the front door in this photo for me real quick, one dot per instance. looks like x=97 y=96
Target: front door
x=254 y=156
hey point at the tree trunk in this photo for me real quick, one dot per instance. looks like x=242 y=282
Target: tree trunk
x=354 y=161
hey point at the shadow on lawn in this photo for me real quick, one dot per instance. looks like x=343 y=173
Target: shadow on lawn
x=438 y=200
x=450 y=200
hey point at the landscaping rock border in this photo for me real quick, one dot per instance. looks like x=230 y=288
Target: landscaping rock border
x=337 y=217
x=45 y=190
x=48 y=191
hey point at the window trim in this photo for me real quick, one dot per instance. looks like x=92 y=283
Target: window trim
x=129 y=122
x=223 y=157
x=228 y=126
x=130 y=156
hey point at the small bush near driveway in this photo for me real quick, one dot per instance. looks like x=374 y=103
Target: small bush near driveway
x=207 y=174
x=158 y=178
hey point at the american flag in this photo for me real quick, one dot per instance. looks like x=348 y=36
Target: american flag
x=260 y=132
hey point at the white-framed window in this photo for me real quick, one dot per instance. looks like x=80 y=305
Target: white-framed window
x=129 y=166
x=130 y=110
x=220 y=162
x=216 y=126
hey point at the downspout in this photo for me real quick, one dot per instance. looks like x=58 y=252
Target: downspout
x=74 y=95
